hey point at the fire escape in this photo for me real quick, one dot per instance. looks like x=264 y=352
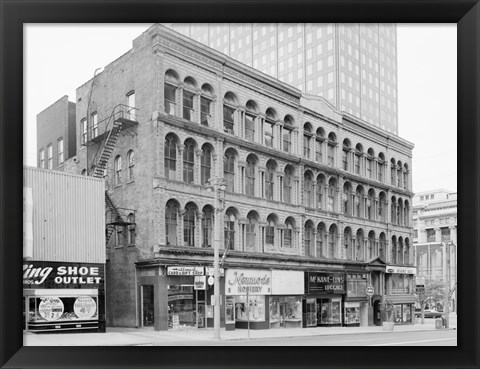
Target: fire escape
x=103 y=139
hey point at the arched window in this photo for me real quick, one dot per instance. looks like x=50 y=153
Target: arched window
x=393 y=172
x=332 y=242
x=118 y=170
x=320 y=191
x=206 y=164
x=347 y=239
x=189 y=225
x=94 y=124
x=131 y=229
x=382 y=207
x=205 y=105
x=308 y=239
x=287 y=133
x=360 y=251
x=170 y=92
x=321 y=240
x=405 y=176
x=250 y=116
x=393 y=206
x=371 y=245
x=84 y=131
x=307 y=135
x=60 y=151
x=42 y=158
x=358 y=159
x=346 y=155
x=400 y=250
x=287 y=185
x=308 y=190
x=288 y=235
x=251 y=231
x=370 y=163
x=332 y=189
x=131 y=165
x=189 y=98
x=207 y=226
x=229 y=169
x=250 y=176
x=269 y=125
x=319 y=140
x=332 y=144
x=229 y=107
x=170 y=154
x=359 y=194
x=393 y=255
x=406 y=252
x=399 y=174
x=371 y=204
x=270 y=179
x=346 y=198
x=381 y=167
x=171 y=211
x=188 y=161
x=382 y=246
x=229 y=234
x=270 y=230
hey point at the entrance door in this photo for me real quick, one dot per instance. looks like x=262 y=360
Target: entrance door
x=201 y=309
x=282 y=314
x=377 y=315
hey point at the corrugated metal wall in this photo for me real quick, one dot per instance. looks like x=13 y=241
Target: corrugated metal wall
x=68 y=216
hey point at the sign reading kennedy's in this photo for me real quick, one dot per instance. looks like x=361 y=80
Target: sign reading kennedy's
x=256 y=282
x=331 y=283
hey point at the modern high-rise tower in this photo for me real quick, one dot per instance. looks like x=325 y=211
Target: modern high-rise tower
x=353 y=66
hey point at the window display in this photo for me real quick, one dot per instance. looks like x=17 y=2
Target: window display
x=293 y=309
x=311 y=313
x=57 y=308
x=274 y=310
x=328 y=311
x=229 y=309
x=352 y=313
x=254 y=311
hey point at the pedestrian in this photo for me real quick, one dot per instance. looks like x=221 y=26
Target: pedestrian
x=443 y=321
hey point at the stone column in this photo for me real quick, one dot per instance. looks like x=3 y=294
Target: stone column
x=199 y=230
x=179 y=106
x=181 y=215
x=179 y=173
x=197 y=106
x=197 y=168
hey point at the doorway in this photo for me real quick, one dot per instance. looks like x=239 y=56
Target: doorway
x=377 y=314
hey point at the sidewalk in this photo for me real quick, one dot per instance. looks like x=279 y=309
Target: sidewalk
x=148 y=336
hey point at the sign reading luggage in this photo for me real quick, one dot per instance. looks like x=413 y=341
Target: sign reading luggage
x=330 y=283
x=185 y=270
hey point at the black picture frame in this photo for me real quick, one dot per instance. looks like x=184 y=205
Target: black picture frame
x=466 y=13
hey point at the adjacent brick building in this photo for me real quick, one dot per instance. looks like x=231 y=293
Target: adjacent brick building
x=56 y=129
x=317 y=201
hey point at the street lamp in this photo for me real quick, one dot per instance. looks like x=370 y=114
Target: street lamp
x=218 y=186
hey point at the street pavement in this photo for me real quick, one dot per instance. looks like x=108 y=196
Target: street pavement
x=147 y=336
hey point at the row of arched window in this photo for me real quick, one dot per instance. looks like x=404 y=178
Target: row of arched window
x=118 y=168
x=274 y=184
x=191 y=226
x=268 y=128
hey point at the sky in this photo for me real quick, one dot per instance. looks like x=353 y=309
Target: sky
x=58 y=58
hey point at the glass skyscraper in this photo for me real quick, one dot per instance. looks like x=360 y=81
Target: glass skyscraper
x=353 y=65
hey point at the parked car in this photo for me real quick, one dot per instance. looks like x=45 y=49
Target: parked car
x=428 y=313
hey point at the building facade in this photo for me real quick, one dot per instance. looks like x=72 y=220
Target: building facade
x=435 y=238
x=56 y=128
x=313 y=205
x=353 y=65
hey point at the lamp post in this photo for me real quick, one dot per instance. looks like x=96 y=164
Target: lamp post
x=218 y=186
x=446 y=300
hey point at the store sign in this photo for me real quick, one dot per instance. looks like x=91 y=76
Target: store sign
x=420 y=281
x=287 y=282
x=200 y=282
x=330 y=283
x=255 y=282
x=51 y=308
x=370 y=290
x=211 y=271
x=47 y=274
x=400 y=270
x=85 y=307
x=185 y=270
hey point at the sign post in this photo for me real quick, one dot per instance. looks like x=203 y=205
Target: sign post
x=248 y=315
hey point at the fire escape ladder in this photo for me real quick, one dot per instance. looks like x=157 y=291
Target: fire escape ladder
x=107 y=150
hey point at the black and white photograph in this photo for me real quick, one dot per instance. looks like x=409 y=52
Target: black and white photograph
x=240 y=184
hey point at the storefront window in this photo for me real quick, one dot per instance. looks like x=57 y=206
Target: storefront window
x=352 y=313
x=402 y=314
x=53 y=308
x=229 y=309
x=400 y=284
x=329 y=311
x=254 y=311
x=311 y=313
x=181 y=306
x=147 y=305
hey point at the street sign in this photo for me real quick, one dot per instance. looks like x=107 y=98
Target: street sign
x=370 y=290
x=210 y=281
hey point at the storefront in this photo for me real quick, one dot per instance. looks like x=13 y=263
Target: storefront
x=176 y=296
x=323 y=300
x=264 y=299
x=63 y=297
x=356 y=303
x=400 y=289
